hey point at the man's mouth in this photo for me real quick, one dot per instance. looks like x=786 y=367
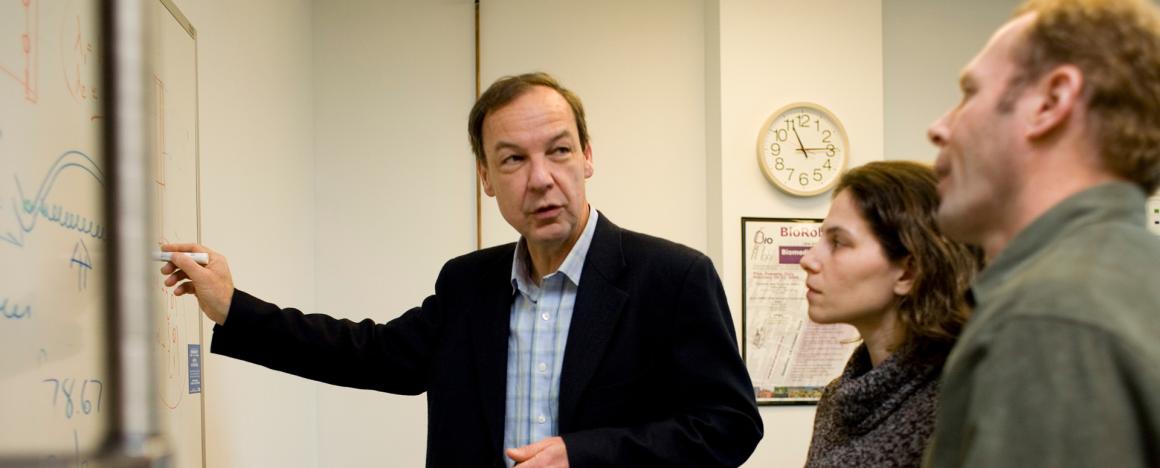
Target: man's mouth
x=547 y=211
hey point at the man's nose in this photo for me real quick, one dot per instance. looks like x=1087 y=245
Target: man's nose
x=540 y=175
x=937 y=131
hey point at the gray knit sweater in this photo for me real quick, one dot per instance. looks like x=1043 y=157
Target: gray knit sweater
x=878 y=416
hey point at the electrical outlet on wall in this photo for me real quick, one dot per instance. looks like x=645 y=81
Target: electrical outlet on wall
x=1154 y=215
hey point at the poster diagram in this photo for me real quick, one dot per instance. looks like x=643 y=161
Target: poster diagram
x=789 y=357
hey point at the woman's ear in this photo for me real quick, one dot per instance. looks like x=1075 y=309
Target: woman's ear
x=905 y=280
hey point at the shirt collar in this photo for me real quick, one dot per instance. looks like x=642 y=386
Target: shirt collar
x=1111 y=202
x=571 y=268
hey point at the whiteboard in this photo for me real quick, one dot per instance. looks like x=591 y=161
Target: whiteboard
x=53 y=385
x=55 y=391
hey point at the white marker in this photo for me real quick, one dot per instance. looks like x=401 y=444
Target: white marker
x=201 y=258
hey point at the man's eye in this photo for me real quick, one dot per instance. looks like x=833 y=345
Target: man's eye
x=968 y=92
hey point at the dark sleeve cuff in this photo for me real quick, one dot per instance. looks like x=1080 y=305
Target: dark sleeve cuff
x=244 y=310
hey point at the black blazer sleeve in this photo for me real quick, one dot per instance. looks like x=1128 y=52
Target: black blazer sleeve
x=435 y=349
x=392 y=357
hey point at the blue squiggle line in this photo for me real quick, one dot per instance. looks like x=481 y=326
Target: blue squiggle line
x=15 y=313
x=54 y=213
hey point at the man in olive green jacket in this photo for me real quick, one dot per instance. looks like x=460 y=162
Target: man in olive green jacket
x=1046 y=163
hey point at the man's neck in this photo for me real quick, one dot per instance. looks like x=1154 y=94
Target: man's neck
x=546 y=259
x=1040 y=194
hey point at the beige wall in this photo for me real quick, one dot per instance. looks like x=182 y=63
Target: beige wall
x=926 y=44
x=395 y=193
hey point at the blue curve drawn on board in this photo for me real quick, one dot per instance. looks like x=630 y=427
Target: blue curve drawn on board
x=37 y=207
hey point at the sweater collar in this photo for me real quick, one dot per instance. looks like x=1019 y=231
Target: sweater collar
x=864 y=395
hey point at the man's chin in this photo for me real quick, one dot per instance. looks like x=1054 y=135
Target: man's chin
x=955 y=222
x=555 y=233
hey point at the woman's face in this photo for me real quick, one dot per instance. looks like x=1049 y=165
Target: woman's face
x=848 y=276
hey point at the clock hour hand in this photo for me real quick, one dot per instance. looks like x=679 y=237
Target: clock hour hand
x=801 y=146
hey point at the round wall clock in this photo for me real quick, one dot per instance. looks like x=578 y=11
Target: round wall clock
x=803 y=149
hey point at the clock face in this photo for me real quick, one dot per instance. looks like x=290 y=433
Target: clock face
x=803 y=149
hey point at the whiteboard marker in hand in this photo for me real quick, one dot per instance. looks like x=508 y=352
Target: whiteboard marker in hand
x=201 y=258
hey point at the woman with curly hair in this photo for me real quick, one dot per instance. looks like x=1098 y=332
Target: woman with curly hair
x=883 y=266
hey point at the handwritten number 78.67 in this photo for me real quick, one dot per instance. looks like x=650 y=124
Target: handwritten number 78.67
x=67 y=389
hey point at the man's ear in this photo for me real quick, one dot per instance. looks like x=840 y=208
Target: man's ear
x=481 y=169
x=1059 y=92
x=588 y=160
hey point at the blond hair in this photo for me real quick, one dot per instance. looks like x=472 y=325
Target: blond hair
x=1116 y=45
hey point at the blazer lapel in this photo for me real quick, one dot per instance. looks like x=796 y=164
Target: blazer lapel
x=490 y=325
x=599 y=301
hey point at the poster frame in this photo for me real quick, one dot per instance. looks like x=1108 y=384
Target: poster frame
x=791 y=395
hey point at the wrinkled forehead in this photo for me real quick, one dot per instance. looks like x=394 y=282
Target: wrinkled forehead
x=535 y=113
x=535 y=98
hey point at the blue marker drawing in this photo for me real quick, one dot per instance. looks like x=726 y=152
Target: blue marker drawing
x=14 y=312
x=67 y=387
x=83 y=262
x=37 y=207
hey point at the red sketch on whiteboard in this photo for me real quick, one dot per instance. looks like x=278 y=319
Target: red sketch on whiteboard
x=178 y=323
x=159 y=154
x=79 y=60
x=169 y=338
x=170 y=343
x=18 y=45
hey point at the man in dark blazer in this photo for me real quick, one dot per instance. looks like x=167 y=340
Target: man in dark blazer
x=649 y=376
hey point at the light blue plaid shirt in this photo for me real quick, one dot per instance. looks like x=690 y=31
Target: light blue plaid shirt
x=540 y=318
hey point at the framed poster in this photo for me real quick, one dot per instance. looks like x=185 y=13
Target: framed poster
x=789 y=357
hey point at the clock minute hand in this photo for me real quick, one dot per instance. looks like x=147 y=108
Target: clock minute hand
x=801 y=146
